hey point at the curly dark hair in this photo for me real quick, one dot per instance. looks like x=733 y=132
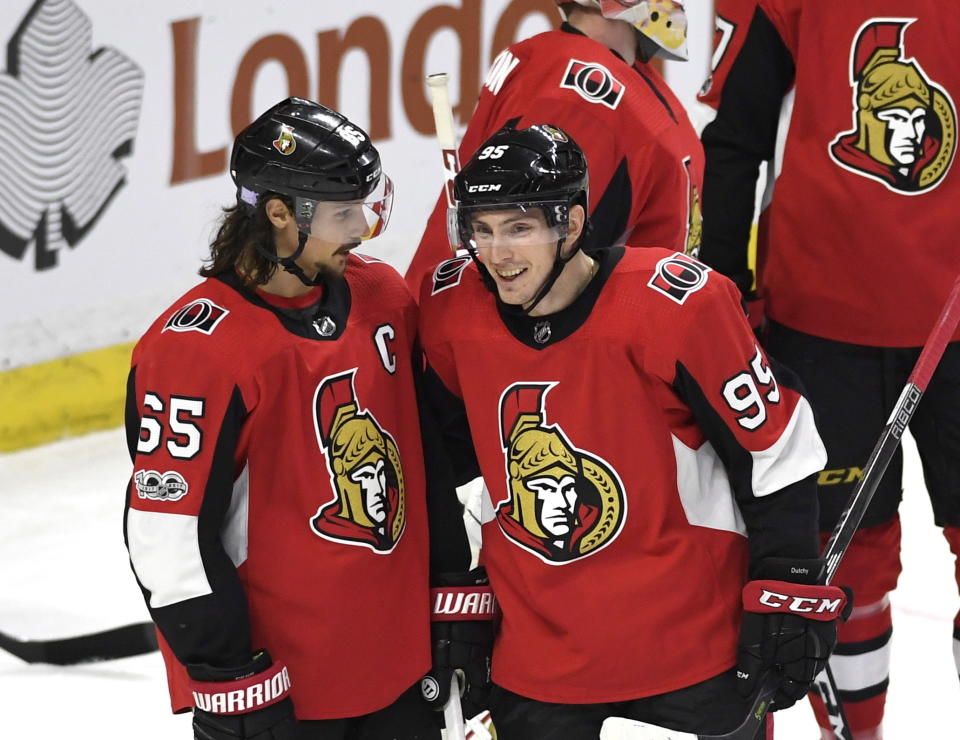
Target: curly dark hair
x=234 y=246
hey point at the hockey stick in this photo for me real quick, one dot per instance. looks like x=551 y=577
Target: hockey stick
x=619 y=728
x=453 y=713
x=121 y=642
x=443 y=122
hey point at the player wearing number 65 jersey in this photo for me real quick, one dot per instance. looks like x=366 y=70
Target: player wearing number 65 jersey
x=651 y=520
x=276 y=516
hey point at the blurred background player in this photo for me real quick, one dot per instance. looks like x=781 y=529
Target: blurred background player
x=594 y=77
x=650 y=473
x=859 y=257
x=276 y=515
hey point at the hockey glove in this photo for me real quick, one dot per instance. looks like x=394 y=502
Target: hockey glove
x=249 y=702
x=463 y=609
x=789 y=627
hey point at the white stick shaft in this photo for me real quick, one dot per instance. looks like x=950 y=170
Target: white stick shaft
x=443 y=121
x=442 y=111
x=452 y=712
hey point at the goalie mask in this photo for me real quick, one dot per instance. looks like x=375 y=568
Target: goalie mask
x=323 y=166
x=662 y=21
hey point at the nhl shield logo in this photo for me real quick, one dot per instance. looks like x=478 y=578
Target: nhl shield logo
x=904 y=124
x=563 y=503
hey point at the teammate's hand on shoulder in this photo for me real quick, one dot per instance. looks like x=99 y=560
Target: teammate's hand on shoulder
x=248 y=702
x=462 y=629
x=789 y=627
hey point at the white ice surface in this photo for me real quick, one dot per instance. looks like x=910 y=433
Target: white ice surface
x=65 y=572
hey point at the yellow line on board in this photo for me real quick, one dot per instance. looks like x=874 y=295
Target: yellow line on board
x=61 y=398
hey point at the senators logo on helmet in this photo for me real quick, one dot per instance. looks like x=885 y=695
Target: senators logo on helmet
x=563 y=503
x=368 y=507
x=904 y=125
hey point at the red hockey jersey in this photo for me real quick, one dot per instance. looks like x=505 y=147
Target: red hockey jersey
x=731 y=21
x=624 y=441
x=861 y=223
x=277 y=499
x=644 y=157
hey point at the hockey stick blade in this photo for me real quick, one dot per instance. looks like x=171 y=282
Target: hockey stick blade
x=620 y=728
x=121 y=642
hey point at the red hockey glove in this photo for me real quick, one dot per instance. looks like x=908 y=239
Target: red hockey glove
x=789 y=627
x=249 y=702
x=463 y=609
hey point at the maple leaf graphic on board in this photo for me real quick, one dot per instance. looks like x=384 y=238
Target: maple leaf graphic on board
x=68 y=114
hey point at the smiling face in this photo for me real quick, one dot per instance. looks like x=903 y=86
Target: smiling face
x=517 y=248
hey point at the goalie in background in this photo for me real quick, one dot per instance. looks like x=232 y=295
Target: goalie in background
x=595 y=78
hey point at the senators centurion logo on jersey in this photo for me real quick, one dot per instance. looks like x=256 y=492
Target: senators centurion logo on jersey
x=201 y=315
x=563 y=503
x=368 y=506
x=593 y=82
x=904 y=125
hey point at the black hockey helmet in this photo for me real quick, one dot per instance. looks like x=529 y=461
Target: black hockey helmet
x=536 y=167
x=310 y=153
x=539 y=167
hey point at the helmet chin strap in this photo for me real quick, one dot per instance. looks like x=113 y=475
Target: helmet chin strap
x=559 y=263
x=289 y=263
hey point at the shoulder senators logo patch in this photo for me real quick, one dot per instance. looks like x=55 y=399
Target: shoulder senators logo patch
x=904 y=125
x=369 y=505
x=448 y=274
x=678 y=276
x=564 y=503
x=68 y=116
x=593 y=82
x=201 y=315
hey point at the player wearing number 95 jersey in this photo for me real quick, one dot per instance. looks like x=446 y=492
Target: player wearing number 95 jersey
x=651 y=520
x=276 y=515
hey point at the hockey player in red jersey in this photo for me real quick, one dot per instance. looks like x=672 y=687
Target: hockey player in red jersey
x=594 y=78
x=650 y=470
x=731 y=21
x=859 y=257
x=276 y=517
